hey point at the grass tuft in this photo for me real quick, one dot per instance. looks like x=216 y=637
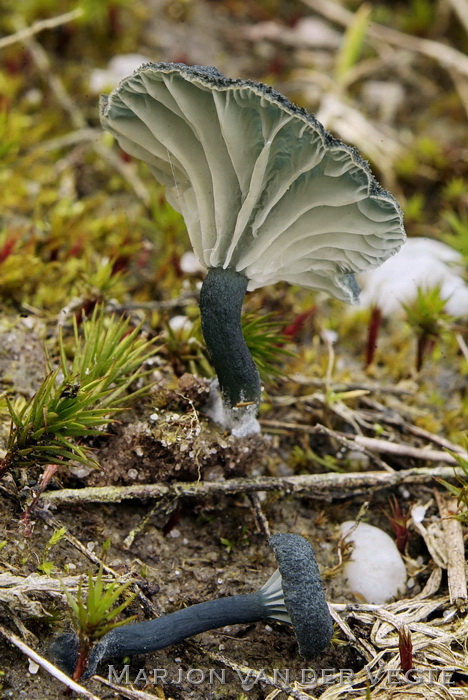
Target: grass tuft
x=93 y=615
x=77 y=398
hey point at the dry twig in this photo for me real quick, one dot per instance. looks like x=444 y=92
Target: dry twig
x=53 y=523
x=125 y=691
x=456 y=565
x=40 y=26
x=260 y=516
x=372 y=444
x=443 y=54
x=330 y=485
x=46 y=665
x=77 y=117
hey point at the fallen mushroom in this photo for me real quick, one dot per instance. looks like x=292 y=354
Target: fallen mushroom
x=293 y=594
x=266 y=193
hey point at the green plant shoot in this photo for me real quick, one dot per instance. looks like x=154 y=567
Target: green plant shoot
x=352 y=44
x=75 y=400
x=93 y=615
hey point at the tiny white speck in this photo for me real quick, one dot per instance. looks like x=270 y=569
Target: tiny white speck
x=448 y=614
x=33 y=667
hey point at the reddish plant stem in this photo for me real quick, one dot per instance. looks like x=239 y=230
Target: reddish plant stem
x=81 y=662
x=425 y=345
x=375 y=322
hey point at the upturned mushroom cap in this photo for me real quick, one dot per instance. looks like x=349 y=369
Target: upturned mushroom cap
x=263 y=188
x=304 y=596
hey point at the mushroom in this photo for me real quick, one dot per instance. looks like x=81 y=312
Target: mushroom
x=266 y=193
x=293 y=594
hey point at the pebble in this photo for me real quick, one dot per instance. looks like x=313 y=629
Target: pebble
x=375 y=572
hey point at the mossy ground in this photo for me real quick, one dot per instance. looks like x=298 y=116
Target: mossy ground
x=82 y=224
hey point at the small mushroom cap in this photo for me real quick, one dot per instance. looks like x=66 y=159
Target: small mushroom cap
x=263 y=188
x=303 y=593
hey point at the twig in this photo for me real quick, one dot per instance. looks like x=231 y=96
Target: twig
x=455 y=545
x=461 y=9
x=346 y=386
x=382 y=414
x=405 y=450
x=372 y=444
x=260 y=515
x=52 y=522
x=39 y=26
x=184 y=299
x=252 y=675
x=441 y=53
x=462 y=345
x=38 y=583
x=71 y=139
x=77 y=117
x=46 y=665
x=351 y=444
x=140 y=526
x=125 y=691
x=346 y=629
x=333 y=485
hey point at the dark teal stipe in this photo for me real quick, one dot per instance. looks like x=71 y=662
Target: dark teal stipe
x=221 y=298
x=144 y=637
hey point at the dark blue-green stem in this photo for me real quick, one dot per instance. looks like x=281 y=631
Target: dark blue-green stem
x=144 y=637
x=221 y=298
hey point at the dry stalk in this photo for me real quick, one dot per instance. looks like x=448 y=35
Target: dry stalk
x=461 y=9
x=76 y=116
x=455 y=545
x=372 y=444
x=262 y=520
x=252 y=674
x=329 y=485
x=443 y=54
x=125 y=691
x=148 y=606
x=40 y=26
x=46 y=665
